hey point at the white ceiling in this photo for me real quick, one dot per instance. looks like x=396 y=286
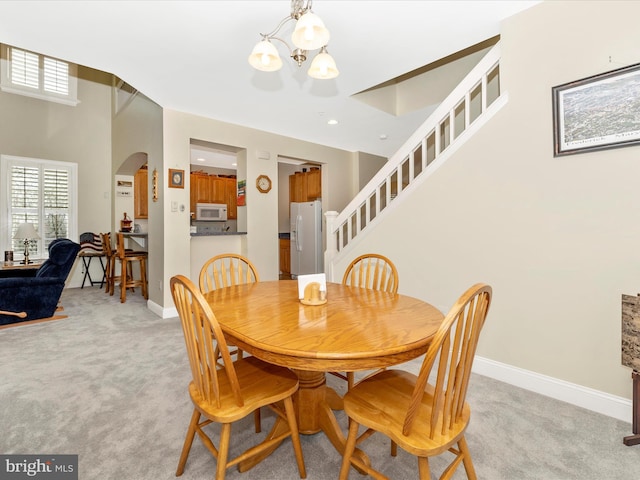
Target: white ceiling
x=191 y=56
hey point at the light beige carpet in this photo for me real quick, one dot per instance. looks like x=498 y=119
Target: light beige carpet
x=109 y=383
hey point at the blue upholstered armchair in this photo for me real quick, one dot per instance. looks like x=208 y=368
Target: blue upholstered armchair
x=31 y=298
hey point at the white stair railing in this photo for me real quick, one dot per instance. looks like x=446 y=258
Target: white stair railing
x=445 y=129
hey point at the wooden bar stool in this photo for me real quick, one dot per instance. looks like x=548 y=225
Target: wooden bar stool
x=127 y=259
x=110 y=266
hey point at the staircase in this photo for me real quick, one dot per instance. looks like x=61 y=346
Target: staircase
x=471 y=104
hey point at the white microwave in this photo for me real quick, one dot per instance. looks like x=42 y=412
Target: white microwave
x=211 y=212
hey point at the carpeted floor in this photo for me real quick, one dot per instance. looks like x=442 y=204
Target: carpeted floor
x=109 y=384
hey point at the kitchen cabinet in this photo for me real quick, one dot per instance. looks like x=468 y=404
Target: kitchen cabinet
x=207 y=188
x=314 y=184
x=200 y=188
x=305 y=186
x=217 y=186
x=298 y=187
x=141 y=194
x=285 y=256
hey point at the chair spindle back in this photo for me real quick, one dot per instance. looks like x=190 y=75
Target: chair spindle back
x=372 y=271
x=226 y=270
x=204 y=341
x=454 y=347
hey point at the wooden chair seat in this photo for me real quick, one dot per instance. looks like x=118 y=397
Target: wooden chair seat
x=224 y=391
x=258 y=379
x=393 y=410
x=423 y=419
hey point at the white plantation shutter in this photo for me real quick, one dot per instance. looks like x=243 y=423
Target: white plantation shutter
x=56 y=202
x=25 y=70
x=38 y=76
x=40 y=192
x=24 y=193
x=56 y=76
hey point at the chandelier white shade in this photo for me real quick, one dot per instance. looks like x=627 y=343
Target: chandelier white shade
x=308 y=34
x=323 y=66
x=265 y=57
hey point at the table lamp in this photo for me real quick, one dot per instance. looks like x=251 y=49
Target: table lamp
x=26 y=232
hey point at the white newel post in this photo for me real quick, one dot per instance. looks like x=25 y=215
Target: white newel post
x=332 y=250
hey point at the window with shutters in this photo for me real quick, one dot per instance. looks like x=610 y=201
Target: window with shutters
x=41 y=192
x=34 y=75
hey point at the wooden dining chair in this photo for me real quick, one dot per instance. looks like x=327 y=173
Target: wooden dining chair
x=229 y=392
x=372 y=271
x=422 y=418
x=225 y=270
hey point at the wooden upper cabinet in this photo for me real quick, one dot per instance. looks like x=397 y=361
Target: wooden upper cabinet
x=217 y=187
x=141 y=193
x=202 y=189
x=305 y=186
x=298 y=187
x=314 y=184
x=199 y=190
x=207 y=188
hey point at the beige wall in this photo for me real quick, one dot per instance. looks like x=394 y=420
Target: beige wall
x=557 y=238
x=261 y=214
x=137 y=135
x=367 y=166
x=81 y=134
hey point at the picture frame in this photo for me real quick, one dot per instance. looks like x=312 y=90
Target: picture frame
x=598 y=112
x=176 y=178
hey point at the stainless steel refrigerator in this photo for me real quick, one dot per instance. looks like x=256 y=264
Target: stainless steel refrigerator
x=306 y=238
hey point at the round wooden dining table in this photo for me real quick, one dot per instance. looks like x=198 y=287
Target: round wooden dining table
x=356 y=329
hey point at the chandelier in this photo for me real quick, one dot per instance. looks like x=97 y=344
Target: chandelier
x=308 y=34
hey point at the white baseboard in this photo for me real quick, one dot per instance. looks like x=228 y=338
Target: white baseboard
x=160 y=311
x=594 y=400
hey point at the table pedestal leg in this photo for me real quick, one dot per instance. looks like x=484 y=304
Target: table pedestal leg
x=315 y=405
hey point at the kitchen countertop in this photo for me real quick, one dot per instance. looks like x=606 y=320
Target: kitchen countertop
x=216 y=234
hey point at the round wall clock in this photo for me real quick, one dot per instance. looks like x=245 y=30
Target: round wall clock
x=263 y=183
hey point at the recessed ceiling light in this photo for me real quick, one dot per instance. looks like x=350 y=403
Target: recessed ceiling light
x=234 y=164
x=383 y=136
x=200 y=159
x=332 y=122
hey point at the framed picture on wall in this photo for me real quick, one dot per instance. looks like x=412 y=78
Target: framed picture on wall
x=176 y=178
x=598 y=112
